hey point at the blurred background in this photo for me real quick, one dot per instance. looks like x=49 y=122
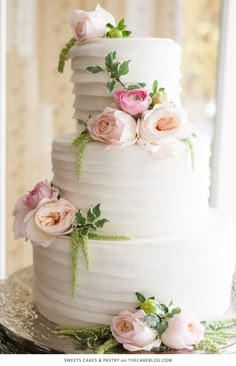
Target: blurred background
x=39 y=99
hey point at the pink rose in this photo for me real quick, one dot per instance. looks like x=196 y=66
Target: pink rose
x=162 y=129
x=184 y=330
x=28 y=202
x=40 y=191
x=134 y=101
x=114 y=127
x=87 y=25
x=129 y=329
x=48 y=220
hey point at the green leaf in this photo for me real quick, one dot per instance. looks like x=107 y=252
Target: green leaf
x=161 y=90
x=92 y=227
x=100 y=223
x=135 y=86
x=81 y=122
x=121 y=24
x=164 y=308
x=111 y=85
x=162 y=327
x=173 y=312
x=124 y=68
x=84 y=230
x=96 y=210
x=109 y=25
x=126 y=33
x=154 y=86
x=140 y=297
x=152 y=319
x=110 y=57
x=79 y=218
x=170 y=303
x=90 y=215
x=94 y=69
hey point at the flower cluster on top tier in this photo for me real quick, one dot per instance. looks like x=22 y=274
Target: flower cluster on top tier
x=139 y=116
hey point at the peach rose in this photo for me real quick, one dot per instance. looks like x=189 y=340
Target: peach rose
x=134 y=101
x=88 y=25
x=129 y=329
x=28 y=202
x=114 y=127
x=48 y=220
x=184 y=330
x=162 y=129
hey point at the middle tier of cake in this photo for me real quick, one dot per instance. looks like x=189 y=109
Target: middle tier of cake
x=140 y=197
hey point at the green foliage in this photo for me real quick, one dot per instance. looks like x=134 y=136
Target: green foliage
x=81 y=141
x=162 y=327
x=173 y=312
x=114 y=68
x=76 y=241
x=64 y=54
x=108 y=345
x=136 y=86
x=141 y=298
x=119 y=31
x=190 y=145
x=94 y=69
x=81 y=122
x=152 y=319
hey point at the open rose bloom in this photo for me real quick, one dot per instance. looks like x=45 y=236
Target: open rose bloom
x=89 y=25
x=162 y=129
x=28 y=202
x=114 y=127
x=51 y=218
x=134 y=101
x=129 y=329
x=184 y=330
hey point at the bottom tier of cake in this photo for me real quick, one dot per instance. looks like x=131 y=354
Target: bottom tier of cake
x=195 y=271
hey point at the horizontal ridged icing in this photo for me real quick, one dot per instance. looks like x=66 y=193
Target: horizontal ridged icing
x=166 y=268
x=151 y=59
x=140 y=196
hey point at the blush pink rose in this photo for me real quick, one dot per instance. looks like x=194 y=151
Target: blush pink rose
x=40 y=191
x=88 y=25
x=28 y=202
x=129 y=329
x=48 y=220
x=162 y=129
x=114 y=127
x=184 y=330
x=134 y=101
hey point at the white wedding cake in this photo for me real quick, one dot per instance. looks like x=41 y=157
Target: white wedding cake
x=153 y=190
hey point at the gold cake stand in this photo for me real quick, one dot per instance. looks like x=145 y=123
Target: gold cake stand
x=24 y=330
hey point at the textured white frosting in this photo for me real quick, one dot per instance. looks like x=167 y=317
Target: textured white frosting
x=194 y=270
x=151 y=59
x=139 y=195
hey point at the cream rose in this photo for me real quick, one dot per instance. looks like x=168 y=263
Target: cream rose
x=88 y=25
x=184 y=330
x=114 y=127
x=48 y=220
x=129 y=329
x=162 y=129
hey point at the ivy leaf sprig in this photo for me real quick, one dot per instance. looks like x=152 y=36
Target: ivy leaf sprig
x=119 y=31
x=157 y=314
x=115 y=69
x=64 y=54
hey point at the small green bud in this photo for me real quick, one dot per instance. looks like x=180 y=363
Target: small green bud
x=115 y=33
x=150 y=306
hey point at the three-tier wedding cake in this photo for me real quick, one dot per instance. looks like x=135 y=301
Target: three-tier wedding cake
x=135 y=160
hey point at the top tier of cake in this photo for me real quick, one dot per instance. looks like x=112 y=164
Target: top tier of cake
x=151 y=59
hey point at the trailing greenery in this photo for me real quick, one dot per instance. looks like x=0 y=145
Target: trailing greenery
x=218 y=333
x=190 y=145
x=64 y=54
x=81 y=141
x=83 y=226
x=98 y=236
x=119 y=31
